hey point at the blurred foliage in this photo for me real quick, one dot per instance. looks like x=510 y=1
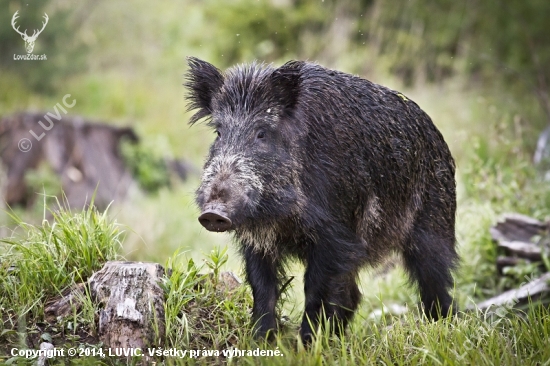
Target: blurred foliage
x=489 y=40
x=146 y=165
x=515 y=276
x=44 y=185
x=263 y=29
x=508 y=181
x=420 y=40
x=430 y=38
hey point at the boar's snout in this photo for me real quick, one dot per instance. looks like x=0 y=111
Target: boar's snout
x=215 y=220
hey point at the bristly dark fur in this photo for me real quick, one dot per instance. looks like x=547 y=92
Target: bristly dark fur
x=331 y=169
x=286 y=84
x=203 y=82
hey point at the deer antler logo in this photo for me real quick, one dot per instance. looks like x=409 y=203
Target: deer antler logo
x=29 y=41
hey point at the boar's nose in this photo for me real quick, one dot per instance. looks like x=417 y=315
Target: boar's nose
x=214 y=220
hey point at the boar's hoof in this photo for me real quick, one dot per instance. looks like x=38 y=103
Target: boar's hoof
x=214 y=220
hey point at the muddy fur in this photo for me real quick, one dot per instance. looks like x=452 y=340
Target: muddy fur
x=331 y=169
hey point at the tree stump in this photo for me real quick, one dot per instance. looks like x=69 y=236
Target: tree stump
x=133 y=304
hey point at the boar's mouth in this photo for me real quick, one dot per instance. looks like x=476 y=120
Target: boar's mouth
x=215 y=220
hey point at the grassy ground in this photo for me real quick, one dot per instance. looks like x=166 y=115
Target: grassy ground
x=201 y=318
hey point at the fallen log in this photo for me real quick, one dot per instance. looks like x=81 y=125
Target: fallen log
x=522 y=249
x=533 y=290
x=522 y=238
x=517 y=227
x=70 y=300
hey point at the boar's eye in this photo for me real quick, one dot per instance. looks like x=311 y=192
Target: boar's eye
x=260 y=134
x=218 y=134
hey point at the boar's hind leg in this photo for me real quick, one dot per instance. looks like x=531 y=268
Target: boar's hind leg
x=429 y=259
x=330 y=284
x=262 y=275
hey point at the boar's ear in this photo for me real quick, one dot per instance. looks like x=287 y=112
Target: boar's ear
x=286 y=84
x=203 y=80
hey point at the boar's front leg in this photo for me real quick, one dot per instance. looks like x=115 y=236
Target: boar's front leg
x=262 y=275
x=331 y=290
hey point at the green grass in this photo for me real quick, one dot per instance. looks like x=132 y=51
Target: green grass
x=40 y=262
x=47 y=259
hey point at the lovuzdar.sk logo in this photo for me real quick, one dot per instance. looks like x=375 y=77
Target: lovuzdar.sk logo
x=29 y=40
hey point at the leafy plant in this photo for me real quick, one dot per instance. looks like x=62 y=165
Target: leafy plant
x=147 y=167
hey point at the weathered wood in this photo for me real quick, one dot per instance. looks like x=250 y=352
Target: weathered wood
x=228 y=282
x=131 y=302
x=515 y=234
x=516 y=227
x=133 y=312
x=522 y=249
x=64 y=305
x=43 y=359
x=84 y=155
x=534 y=290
